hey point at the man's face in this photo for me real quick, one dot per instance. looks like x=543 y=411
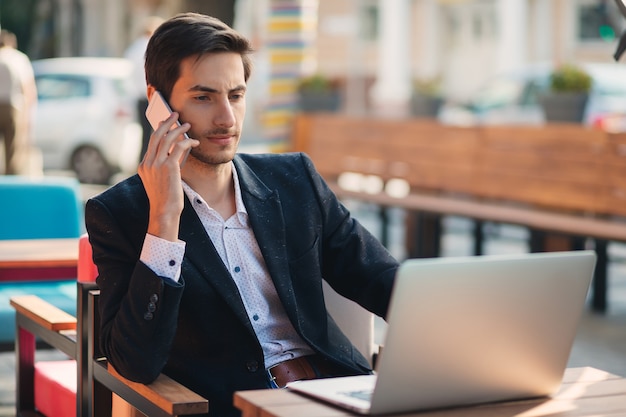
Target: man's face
x=210 y=95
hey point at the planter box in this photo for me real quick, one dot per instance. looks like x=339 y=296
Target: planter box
x=319 y=101
x=564 y=107
x=425 y=106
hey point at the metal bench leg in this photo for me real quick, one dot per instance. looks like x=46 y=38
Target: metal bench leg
x=423 y=235
x=479 y=237
x=600 y=287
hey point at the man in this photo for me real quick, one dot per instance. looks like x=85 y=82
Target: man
x=212 y=272
x=18 y=97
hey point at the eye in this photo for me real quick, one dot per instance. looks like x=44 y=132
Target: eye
x=202 y=98
x=237 y=96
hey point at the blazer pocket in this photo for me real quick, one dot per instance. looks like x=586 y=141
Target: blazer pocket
x=308 y=257
x=306 y=274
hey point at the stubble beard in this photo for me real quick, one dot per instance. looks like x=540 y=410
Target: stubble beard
x=223 y=155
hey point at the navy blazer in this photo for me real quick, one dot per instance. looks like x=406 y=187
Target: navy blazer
x=197 y=330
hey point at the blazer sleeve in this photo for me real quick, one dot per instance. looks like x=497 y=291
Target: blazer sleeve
x=138 y=309
x=354 y=262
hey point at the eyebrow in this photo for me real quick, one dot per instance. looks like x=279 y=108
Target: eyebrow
x=205 y=89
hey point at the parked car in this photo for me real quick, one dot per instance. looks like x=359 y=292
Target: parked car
x=513 y=98
x=86 y=118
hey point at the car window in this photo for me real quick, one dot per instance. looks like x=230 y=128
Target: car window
x=55 y=87
x=122 y=86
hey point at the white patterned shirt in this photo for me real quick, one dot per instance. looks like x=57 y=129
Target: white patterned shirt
x=236 y=244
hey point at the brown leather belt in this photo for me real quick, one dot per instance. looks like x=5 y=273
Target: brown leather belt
x=301 y=368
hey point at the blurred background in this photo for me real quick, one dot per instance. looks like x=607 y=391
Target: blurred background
x=461 y=61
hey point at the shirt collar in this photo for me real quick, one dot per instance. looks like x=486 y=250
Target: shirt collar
x=240 y=208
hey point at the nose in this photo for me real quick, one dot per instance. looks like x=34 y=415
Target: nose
x=224 y=116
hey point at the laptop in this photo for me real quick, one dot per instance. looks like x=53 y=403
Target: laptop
x=470 y=330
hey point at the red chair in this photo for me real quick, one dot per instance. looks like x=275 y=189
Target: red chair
x=51 y=388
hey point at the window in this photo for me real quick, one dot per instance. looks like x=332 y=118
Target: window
x=55 y=87
x=369 y=22
x=599 y=20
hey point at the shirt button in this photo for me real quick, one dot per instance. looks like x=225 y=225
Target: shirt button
x=252 y=366
x=237 y=269
x=172 y=262
x=255 y=317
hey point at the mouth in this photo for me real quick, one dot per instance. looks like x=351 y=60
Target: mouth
x=221 y=140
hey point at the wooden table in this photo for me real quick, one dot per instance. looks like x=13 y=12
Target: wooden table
x=584 y=392
x=38 y=259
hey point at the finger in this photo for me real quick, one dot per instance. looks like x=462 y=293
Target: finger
x=181 y=148
x=159 y=135
x=178 y=133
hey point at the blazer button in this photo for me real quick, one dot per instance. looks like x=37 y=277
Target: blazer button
x=148 y=316
x=252 y=366
x=151 y=307
x=154 y=298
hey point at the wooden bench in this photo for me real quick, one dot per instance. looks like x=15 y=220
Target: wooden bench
x=565 y=182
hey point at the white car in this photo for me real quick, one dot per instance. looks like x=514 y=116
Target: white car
x=86 y=118
x=513 y=98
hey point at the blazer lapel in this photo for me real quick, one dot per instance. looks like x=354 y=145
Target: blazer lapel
x=265 y=215
x=201 y=252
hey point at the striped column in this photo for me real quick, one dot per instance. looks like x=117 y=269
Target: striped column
x=291 y=31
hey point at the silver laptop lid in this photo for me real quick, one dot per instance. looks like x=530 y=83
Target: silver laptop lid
x=477 y=329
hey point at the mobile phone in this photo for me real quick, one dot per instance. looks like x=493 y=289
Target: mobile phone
x=157 y=111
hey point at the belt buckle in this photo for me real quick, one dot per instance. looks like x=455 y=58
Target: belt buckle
x=271 y=376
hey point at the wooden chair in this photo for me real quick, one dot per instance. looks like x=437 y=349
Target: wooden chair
x=94 y=381
x=355 y=321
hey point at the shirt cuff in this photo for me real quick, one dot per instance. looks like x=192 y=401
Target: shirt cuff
x=163 y=257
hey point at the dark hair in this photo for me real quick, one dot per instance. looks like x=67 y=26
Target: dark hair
x=185 y=35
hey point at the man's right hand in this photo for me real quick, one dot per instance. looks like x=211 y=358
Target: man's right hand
x=160 y=173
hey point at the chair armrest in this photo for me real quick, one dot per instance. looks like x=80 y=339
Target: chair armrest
x=36 y=318
x=43 y=313
x=167 y=394
x=163 y=397
x=41 y=319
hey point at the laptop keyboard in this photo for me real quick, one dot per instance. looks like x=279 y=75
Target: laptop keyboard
x=364 y=394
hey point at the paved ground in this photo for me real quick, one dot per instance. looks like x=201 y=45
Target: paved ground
x=601 y=340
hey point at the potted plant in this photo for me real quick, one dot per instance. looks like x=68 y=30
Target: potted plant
x=318 y=93
x=426 y=98
x=569 y=91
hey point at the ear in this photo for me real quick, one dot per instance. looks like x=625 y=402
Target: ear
x=150 y=90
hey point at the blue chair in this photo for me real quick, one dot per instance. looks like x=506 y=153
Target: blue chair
x=38 y=208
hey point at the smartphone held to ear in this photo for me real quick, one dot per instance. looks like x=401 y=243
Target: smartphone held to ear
x=157 y=111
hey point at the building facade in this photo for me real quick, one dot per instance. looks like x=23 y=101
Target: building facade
x=376 y=49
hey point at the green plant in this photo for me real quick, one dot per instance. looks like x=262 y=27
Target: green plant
x=316 y=83
x=427 y=86
x=570 y=78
